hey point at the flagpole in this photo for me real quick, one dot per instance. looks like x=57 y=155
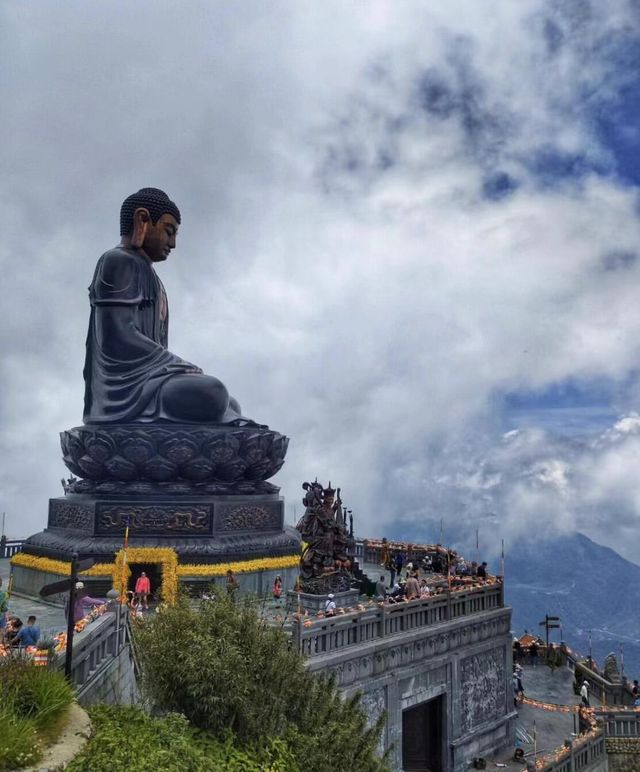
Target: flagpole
x=502 y=561
x=477 y=547
x=123 y=578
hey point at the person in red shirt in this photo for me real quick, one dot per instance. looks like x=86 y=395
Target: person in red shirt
x=143 y=589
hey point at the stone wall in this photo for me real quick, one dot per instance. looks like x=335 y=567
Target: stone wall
x=252 y=582
x=623 y=754
x=28 y=581
x=467 y=661
x=115 y=685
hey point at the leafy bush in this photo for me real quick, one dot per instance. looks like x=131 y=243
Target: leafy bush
x=35 y=701
x=227 y=670
x=127 y=738
x=18 y=740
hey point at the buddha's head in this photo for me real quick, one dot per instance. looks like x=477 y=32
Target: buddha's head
x=149 y=221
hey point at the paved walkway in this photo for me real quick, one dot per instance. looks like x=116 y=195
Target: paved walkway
x=552 y=728
x=49 y=618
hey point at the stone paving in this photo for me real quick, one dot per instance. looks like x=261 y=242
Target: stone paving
x=552 y=728
x=49 y=618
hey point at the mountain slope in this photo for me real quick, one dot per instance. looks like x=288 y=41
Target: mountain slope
x=590 y=587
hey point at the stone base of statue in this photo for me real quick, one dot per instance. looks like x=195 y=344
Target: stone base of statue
x=314 y=603
x=197 y=493
x=152 y=458
x=205 y=529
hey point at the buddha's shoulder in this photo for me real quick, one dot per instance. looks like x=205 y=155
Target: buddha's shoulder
x=123 y=256
x=120 y=274
x=120 y=262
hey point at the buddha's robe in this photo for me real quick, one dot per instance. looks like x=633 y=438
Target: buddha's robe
x=127 y=360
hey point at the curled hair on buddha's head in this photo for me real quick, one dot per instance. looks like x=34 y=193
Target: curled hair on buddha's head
x=153 y=199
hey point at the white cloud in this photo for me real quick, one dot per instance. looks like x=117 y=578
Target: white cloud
x=338 y=266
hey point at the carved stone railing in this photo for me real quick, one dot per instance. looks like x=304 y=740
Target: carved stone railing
x=94 y=649
x=9 y=547
x=587 y=750
x=584 y=754
x=317 y=637
x=620 y=722
x=616 y=693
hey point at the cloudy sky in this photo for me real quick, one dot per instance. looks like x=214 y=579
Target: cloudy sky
x=409 y=241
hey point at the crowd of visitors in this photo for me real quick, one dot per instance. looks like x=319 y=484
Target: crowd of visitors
x=406 y=582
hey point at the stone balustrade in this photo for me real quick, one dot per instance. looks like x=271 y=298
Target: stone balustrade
x=374 y=622
x=98 y=651
x=586 y=753
x=620 y=722
x=9 y=547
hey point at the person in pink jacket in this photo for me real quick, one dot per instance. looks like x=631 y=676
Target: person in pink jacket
x=143 y=589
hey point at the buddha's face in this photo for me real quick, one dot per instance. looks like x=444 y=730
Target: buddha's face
x=160 y=238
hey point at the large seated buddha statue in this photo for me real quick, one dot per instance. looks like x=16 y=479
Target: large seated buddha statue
x=150 y=415
x=130 y=375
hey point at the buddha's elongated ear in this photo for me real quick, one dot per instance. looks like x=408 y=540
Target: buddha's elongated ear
x=141 y=222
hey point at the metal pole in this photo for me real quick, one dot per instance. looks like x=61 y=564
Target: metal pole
x=546 y=627
x=70 y=620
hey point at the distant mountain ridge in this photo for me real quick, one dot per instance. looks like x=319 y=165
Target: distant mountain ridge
x=589 y=586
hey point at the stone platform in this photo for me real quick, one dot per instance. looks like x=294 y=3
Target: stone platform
x=203 y=529
x=194 y=498
x=200 y=530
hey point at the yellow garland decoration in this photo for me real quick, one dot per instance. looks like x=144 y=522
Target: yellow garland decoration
x=57 y=566
x=165 y=556
x=220 y=569
x=168 y=560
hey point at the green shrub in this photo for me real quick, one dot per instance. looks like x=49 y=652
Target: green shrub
x=19 y=745
x=35 y=692
x=126 y=738
x=227 y=670
x=37 y=700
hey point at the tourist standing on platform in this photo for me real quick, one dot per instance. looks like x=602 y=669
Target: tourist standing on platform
x=427 y=564
x=533 y=654
x=399 y=561
x=517 y=651
x=392 y=571
x=330 y=605
x=381 y=588
x=519 y=674
x=232 y=583
x=412 y=588
x=277 y=588
x=29 y=634
x=516 y=689
x=584 y=694
x=143 y=589
x=481 y=573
